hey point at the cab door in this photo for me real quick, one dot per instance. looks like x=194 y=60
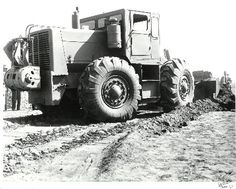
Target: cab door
x=140 y=35
x=155 y=37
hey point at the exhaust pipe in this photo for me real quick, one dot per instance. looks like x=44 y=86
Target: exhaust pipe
x=75 y=19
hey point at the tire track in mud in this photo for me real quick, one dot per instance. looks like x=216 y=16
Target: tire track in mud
x=16 y=153
x=158 y=125
x=109 y=154
x=52 y=143
x=78 y=164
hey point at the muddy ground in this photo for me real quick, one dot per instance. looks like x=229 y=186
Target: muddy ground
x=192 y=143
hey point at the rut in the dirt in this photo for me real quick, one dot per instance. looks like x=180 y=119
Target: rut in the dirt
x=24 y=148
x=20 y=151
x=109 y=153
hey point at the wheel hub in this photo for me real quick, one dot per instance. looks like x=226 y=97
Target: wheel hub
x=184 y=88
x=115 y=92
x=28 y=78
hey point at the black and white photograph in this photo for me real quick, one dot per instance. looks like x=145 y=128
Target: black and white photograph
x=124 y=93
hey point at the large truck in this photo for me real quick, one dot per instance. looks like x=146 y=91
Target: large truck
x=106 y=64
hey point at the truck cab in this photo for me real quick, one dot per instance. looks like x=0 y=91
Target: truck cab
x=139 y=33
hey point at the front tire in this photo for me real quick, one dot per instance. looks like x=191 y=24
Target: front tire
x=109 y=90
x=177 y=84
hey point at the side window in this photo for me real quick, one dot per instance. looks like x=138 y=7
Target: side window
x=140 y=22
x=155 y=27
x=101 y=22
x=90 y=24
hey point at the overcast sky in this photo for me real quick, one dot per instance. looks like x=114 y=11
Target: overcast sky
x=201 y=31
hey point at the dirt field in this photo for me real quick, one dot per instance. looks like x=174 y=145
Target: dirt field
x=203 y=151
x=193 y=143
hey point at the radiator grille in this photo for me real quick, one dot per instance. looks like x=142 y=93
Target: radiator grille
x=39 y=50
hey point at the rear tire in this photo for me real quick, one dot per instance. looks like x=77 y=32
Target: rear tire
x=177 y=84
x=109 y=90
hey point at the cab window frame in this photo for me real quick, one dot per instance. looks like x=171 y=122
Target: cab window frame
x=155 y=27
x=140 y=22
